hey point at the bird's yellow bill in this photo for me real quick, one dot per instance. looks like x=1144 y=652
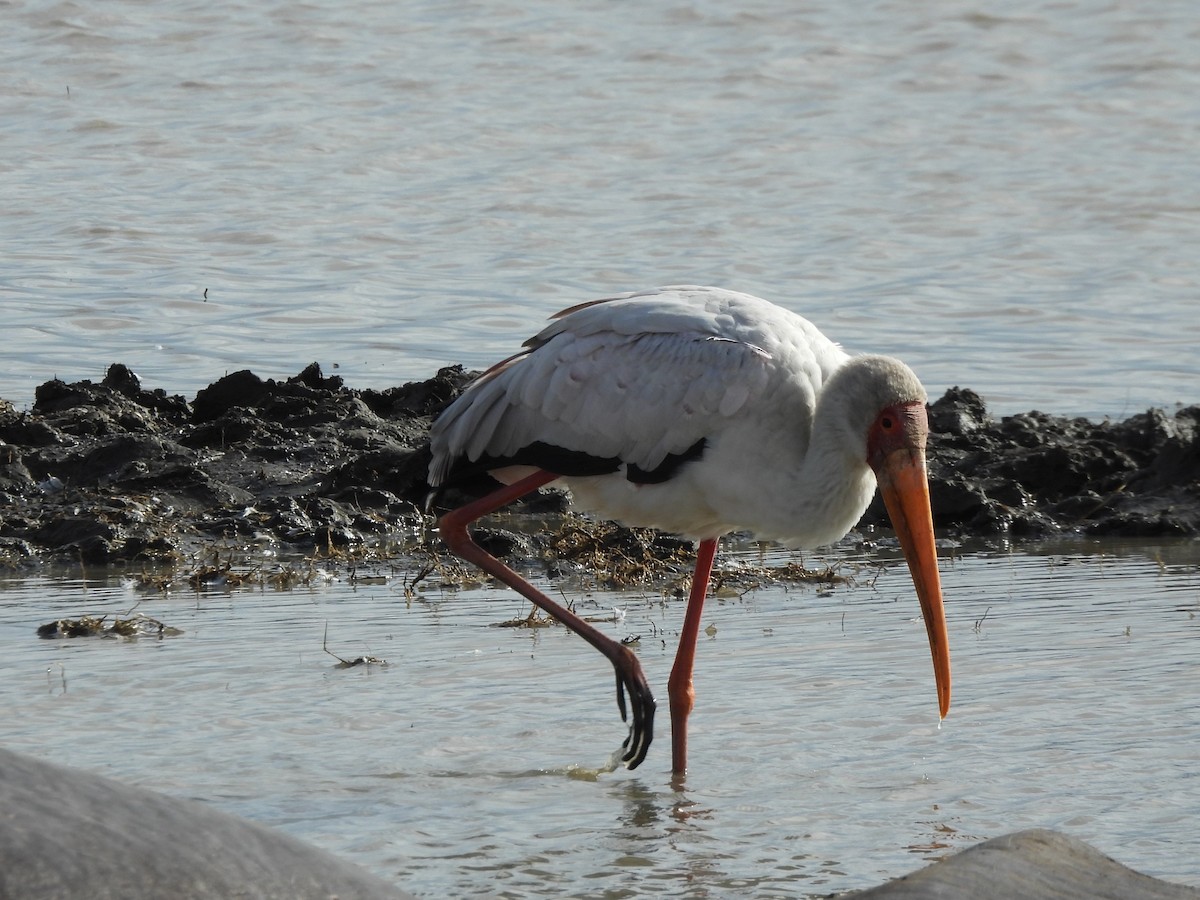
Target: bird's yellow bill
x=905 y=489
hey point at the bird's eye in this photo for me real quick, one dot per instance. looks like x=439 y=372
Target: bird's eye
x=886 y=422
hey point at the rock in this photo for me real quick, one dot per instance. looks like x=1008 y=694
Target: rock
x=193 y=470
x=1034 y=474
x=1027 y=865
x=421 y=398
x=959 y=411
x=66 y=834
x=338 y=465
x=243 y=388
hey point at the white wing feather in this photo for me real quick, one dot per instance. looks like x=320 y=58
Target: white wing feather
x=638 y=377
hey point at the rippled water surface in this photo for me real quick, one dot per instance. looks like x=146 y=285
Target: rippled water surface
x=388 y=187
x=467 y=765
x=1008 y=198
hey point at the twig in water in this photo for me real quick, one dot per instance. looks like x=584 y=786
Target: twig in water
x=349 y=663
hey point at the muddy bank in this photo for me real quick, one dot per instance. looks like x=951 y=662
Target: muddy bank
x=115 y=472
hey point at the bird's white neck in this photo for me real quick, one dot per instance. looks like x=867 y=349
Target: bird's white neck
x=822 y=491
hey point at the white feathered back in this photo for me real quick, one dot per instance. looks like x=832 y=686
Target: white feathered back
x=638 y=378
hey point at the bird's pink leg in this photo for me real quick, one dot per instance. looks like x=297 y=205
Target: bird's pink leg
x=679 y=688
x=453 y=528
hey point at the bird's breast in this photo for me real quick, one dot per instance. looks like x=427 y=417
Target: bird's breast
x=732 y=487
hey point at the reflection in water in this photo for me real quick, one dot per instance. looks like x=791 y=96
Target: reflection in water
x=662 y=831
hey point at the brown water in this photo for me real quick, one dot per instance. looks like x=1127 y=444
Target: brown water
x=471 y=763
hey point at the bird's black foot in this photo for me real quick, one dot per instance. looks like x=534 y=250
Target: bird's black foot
x=641 y=700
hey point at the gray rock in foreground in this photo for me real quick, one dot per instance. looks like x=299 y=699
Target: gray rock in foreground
x=66 y=834
x=1028 y=865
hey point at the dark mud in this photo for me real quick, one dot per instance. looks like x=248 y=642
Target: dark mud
x=113 y=472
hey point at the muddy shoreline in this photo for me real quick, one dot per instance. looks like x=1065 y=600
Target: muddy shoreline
x=112 y=472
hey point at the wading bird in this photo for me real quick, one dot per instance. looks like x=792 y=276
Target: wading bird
x=697 y=411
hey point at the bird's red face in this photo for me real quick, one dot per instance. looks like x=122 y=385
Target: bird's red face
x=896 y=451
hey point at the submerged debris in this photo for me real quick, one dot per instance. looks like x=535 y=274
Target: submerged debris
x=350 y=663
x=619 y=557
x=534 y=620
x=90 y=626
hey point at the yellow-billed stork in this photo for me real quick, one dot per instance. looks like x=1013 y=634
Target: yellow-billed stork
x=698 y=411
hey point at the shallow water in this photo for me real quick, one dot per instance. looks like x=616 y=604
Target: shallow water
x=389 y=187
x=468 y=765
